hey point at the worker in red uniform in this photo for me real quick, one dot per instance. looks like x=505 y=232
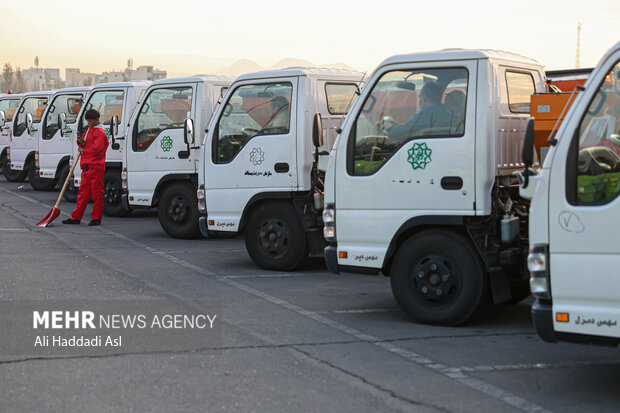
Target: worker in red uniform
x=93 y=145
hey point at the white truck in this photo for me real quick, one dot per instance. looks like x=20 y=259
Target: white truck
x=420 y=182
x=259 y=165
x=160 y=164
x=115 y=102
x=22 y=136
x=8 y=106
x=53 y=144
x=574 y=258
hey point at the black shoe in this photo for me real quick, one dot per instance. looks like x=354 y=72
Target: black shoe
x=71 y=221
x=94 y=222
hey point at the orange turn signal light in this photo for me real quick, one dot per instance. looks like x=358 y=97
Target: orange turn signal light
x=343 y=254
x=211 y=222
x=561 y=317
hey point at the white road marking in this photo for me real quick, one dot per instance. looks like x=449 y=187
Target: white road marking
x=458 y=376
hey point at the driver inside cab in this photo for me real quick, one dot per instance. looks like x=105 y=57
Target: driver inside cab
x=279 y=116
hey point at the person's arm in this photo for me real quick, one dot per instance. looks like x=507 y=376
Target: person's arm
x=96 y=145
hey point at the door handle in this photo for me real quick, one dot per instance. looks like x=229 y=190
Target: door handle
x=281 y=167
x=451 y=183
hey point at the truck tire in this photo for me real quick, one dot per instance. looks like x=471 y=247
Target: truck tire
x=275 y=238
x=71 y=192
x=36 y=182
x=177 y=211
x=113 y=192
x=437 y=277
x=12 y=175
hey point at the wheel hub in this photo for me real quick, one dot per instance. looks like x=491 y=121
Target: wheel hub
x=273 y=236
x=434 y=279
x=178 y=209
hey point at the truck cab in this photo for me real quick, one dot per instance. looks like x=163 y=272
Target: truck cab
x=259 y=168
x=159 y=169
x=574 y=258
x=53 y=138
x=8 y=107
x=115 y=102
x=23 y=142
x=420 y=182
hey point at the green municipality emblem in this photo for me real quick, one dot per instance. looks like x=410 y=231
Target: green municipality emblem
x=419 y=155
x=166 y=143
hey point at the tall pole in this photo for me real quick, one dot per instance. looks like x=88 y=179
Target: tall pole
x=578 y=54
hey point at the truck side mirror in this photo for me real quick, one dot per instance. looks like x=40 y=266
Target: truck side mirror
x=527 y=152
x=2 y=118
x=29 y=123
x=62 y=123
x=114 y=132
x=188 y=132
x=317 y=131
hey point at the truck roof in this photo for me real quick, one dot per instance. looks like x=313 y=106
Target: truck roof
x=460 y=54
x=68 y=90
x=316 y=72
x=131 y=83
x=196 y=78
x=11 y=96
x=46 y=93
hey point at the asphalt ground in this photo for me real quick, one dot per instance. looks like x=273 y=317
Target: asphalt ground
x=289 y=342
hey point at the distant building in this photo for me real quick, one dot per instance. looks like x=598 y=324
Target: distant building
x=37 y=78
x=75 y=78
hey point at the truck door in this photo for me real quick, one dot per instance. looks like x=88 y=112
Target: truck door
x=53 y=145
x=157 y=140
x=253 y=145
x=22 y=141
x=584 y=211
x=410 y=152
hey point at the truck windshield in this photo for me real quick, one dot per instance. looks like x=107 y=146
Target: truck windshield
x=67 y=104
x=404 y=105
x=252 y=110
x=340 y=97
x=9 y=106
x=598 y=158
x=109 y=103
x=34 y=106
x=165 y=108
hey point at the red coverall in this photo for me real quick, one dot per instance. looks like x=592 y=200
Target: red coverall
x=93 y=157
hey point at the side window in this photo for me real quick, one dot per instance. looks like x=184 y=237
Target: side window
x=163 y=109
x=252 y=110
x=67 y=104
x=9 y=106
x=34 y=106
x=340 y=97
x=520 y=88
x=404 y=105
x=598 y=145
x=108 y=102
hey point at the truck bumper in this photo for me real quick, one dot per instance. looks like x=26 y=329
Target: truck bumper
x=542 y=315
x=331 y=259
x=202 y=224
x=125 y=202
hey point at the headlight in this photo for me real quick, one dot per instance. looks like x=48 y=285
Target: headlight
x=202 y=200
x=124 y=179
x=329 y=223
x=539 y=271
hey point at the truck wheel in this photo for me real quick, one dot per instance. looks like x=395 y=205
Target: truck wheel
x=12 y=175
x=275 y=238
x=36 y=182
x=437 y=278
x=71 y=192
x=113 y=192
x=177 y=211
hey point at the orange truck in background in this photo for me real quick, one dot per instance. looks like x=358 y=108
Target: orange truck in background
x=548 y=109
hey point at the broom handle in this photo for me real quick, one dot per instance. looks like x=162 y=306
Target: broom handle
x=64 y=187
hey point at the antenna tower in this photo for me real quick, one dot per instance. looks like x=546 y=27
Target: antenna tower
x=578 y=54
